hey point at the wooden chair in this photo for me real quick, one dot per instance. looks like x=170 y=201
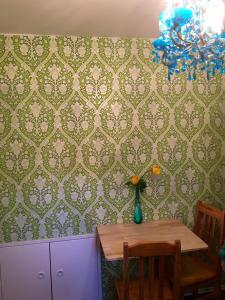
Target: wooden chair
x=154 y=286
x=203 y=269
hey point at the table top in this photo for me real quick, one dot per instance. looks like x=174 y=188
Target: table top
x=112 y=236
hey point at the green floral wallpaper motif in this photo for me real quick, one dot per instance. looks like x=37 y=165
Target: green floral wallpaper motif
x=79 y=116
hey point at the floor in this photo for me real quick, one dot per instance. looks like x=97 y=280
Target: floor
x=191 y=298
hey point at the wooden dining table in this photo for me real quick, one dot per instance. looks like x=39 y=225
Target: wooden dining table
x=112 y=236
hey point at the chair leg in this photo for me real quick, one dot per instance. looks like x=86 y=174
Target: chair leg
x=217 y=290
x=117 y=296
x=195 y=293
x=181 y=296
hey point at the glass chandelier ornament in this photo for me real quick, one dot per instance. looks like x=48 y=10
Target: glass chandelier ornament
x=191 y=38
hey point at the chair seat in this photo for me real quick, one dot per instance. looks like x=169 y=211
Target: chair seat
x=194 y=271
x=134 y=288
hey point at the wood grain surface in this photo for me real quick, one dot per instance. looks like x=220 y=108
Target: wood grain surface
x=112 y=236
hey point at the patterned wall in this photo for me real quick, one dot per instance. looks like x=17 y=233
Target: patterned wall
x=79 y=116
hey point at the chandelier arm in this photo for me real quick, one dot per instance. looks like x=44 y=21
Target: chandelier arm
x=164 y=59
x=174 y=41
x=179 y=37
x=202 y=39
x=200 y=53
x=214 y=53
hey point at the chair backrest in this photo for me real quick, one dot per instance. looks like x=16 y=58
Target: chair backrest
x=210 y=227
x=156 y=252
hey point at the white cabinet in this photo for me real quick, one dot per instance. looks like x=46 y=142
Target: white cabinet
x=74 y=267
x=51 y=270
x=1 y=298
x=25 y=272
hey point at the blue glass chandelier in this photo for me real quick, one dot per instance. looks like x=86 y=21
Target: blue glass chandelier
x=191 y=38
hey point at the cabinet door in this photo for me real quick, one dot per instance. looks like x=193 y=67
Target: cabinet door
x=0 y=285
x=74 y=266
x=25 y=272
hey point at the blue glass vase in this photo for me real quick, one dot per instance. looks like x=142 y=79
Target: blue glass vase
x=137 y=206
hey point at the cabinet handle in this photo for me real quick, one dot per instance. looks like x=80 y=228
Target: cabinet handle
x=41 y=275
x=60 y=273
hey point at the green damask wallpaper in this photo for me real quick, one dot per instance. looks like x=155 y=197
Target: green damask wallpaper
x=79 y=116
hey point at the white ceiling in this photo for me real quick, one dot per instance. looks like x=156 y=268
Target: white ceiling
x=119 y=18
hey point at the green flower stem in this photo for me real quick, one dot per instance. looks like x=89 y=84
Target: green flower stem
x=137 y=206
x=137 y=194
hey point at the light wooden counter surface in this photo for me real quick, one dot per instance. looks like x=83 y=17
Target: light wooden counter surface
x=112 y=236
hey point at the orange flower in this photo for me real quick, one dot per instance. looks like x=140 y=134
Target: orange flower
x=135 y=179
x=156 y=170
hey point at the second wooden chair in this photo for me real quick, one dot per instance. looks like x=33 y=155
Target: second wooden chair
x=202 y=269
